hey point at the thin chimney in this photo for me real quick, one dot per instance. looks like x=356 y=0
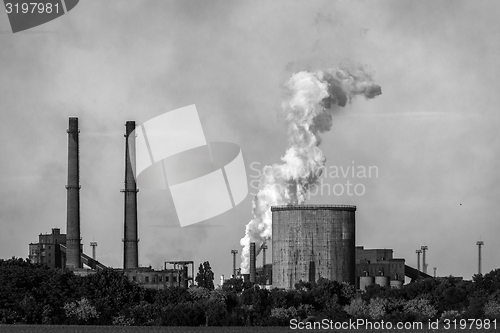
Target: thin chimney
x=130 y=240
x=73 y=249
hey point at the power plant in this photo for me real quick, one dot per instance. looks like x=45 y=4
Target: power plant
x=309 y=242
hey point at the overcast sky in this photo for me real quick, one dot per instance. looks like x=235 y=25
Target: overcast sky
x=432 y=134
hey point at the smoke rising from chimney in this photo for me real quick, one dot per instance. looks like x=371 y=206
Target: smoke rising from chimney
x=307 y=110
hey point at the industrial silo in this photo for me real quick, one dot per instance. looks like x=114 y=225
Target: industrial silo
x=311 y=242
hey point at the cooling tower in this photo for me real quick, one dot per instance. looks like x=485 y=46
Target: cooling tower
x=311 y=242
x=73 y=250
x=130 y=238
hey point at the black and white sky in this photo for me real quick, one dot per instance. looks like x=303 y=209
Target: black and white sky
x=432 y=134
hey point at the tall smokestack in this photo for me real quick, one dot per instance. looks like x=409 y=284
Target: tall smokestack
x=252 y=262
x=130 y=240
x=73 y=250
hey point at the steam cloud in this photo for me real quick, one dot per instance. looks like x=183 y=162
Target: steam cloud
x=312 y=95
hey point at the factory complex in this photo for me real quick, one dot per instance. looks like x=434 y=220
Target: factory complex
x=309 y=242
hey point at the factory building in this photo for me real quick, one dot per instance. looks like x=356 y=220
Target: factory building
x=377 y=266
x=312 y=242
x=158 y=279
x=48 y=251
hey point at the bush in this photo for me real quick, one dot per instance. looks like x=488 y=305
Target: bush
x=420 y=309
x=451 y=314
x=377 y=308
x=492 y=309
x=357 y=308
x=81 y=312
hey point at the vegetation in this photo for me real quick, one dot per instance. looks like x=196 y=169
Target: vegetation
x=205 y=276
x=34 y=294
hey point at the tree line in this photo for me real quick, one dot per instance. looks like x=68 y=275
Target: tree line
x=35 y=294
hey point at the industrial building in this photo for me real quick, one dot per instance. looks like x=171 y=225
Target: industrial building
x=48 y=251
x=318 y=241
x=377 y=266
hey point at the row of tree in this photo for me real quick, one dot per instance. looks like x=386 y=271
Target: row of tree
x=34 y=294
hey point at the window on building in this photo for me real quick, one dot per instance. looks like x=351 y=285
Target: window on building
x=49 y=246
x=154 y=279
x=133 y=278
x=175 y=278
x=50 y=254
x=160 y=278
x=167 y=279
x=147 y=279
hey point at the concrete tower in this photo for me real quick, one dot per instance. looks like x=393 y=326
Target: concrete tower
x=130 y=238
x=73 y=247
x=313 y=241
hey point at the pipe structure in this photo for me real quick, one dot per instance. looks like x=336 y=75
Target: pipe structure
x=73 y=247
x=479 y=244
x=418 y=258
x=130 y=239
x=93 y=245
x=264 y=248
x=252 y=263
x=424 y=249
x=234 y=252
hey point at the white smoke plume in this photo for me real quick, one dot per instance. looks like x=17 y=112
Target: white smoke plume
x=312 y=95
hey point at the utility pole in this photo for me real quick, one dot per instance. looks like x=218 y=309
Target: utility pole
x=479 y=244
x=424 y=248
x=234 y=252
x=435 y=269
x=418 y=258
